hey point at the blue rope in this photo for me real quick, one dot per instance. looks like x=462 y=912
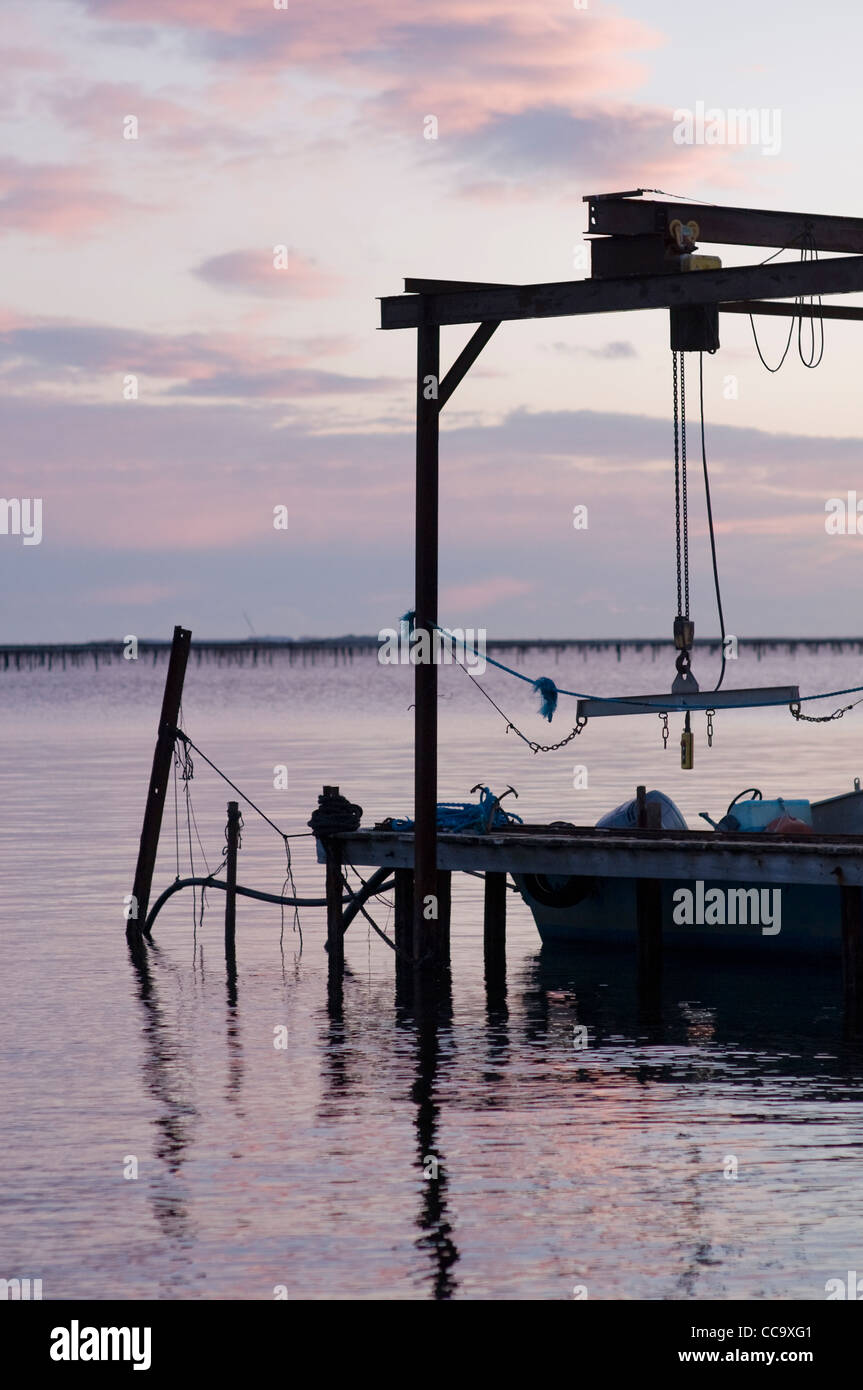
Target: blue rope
x=549 y=691
x=466 y=815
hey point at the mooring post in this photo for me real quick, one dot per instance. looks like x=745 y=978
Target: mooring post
x=444 y=907
x=334 y=813
x=232 y=840
x=648 y=900
x=335 y=931
x=427 y=936
x=159 y=779
x=328 y=802
x=494 y=930
x=851 y=898
x=403 y=928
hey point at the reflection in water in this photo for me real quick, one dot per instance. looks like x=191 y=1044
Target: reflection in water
x=433 y=1016
x=165 y=1076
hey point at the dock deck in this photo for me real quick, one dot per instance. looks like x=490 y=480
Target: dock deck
x=828 y=860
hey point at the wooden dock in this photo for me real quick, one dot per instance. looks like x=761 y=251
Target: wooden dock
x=649 y=856
x=678 y=855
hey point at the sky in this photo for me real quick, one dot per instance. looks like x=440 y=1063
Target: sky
x=201 y=202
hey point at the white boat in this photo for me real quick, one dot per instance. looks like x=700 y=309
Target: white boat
x=751 y=917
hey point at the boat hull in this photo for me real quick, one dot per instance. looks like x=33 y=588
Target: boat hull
x=605 y=915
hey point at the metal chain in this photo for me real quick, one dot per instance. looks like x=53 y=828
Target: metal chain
x=710 y=714
x=676 y=413
x=550 y=747
x=683 y=486
x=664 y=718
x=820 y=718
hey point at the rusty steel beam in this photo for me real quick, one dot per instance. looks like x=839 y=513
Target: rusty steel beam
x=790 y=311
x=622 y=216
x=779 y=280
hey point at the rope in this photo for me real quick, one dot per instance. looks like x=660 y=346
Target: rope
x=486 y=814
x=298 y=835
x=616 y=699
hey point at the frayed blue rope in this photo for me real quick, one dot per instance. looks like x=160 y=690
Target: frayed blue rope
x=548 y=690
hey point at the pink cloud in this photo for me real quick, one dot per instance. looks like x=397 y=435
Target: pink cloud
x=101 y=108
x=54 y=200
x=254 y=272
x=45 y=355
x=466 y=60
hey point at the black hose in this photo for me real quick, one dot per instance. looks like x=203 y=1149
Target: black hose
x=351 y=904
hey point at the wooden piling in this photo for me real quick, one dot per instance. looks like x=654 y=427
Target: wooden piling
x=335 y=929
x=403 y=927
x=851 y=899
x=494 y=930
x=444 y=913
x=233 y=844
x=159 y=780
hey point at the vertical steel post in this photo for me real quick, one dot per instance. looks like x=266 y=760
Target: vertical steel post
x=426 y=933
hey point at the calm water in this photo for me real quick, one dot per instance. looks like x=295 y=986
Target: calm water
x=303 y=1167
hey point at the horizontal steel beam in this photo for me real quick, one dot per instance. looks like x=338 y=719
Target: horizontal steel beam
x=704 y=699
x=790 y=311
x=665 y=854
x=780 y=280
x=413 y=285
x=620 y=216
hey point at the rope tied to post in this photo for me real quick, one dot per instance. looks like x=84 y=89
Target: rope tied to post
x=334 y=813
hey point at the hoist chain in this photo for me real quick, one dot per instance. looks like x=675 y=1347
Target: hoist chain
x=676 y=415
x=681 y=505
x=683 y=497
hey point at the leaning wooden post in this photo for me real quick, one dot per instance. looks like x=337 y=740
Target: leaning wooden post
x=426 y=933
x=851 y=900
x=159 y=778
x=648 y=899
x=232 y=840
x=494 y=930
